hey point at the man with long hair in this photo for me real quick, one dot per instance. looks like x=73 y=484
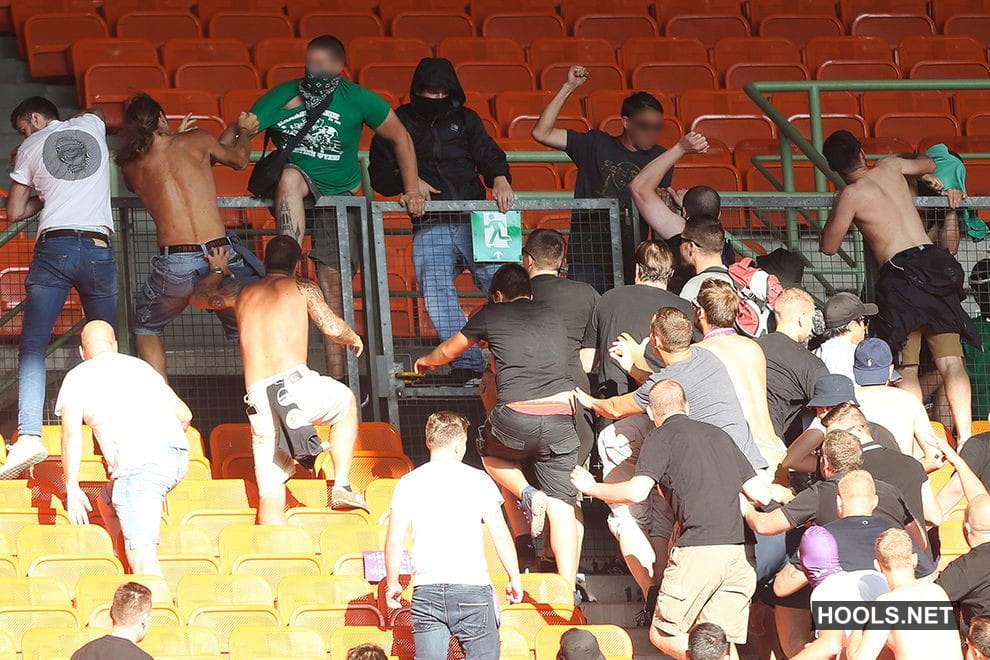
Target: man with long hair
x=172 y=175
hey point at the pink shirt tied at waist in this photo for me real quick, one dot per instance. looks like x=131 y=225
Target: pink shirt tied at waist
x=558 y=404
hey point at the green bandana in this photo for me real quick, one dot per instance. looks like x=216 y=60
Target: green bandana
x=315 y=87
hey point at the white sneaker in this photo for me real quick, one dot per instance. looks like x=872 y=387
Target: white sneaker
x=26 y=452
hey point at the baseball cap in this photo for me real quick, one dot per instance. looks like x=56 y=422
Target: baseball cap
x=577 y=644
x=871 y=362
x=844 y=307
x=833 y=389
x=819 y=554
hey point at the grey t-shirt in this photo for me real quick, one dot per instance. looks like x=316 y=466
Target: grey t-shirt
x=711 y=398
x=691 y=288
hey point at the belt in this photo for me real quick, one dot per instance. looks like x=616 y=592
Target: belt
x=166 y=250
x=74 y=233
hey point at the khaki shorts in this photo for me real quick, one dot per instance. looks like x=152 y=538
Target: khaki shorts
x=942 y=345
x=321 y=399
x=706 y=583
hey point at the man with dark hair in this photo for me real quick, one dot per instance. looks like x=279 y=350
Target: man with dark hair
x=131 y=616
x=453 y=149
x=919 y=286
x=606 y=164
x=532 y=423
x=68 y=164
x=707 y=641
x=367 y=652
x=326 y=160
x=702 y=243
x=847 y=320
x=172 y=174
x=284 y=397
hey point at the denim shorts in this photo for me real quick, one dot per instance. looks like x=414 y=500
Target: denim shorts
x=137 y=495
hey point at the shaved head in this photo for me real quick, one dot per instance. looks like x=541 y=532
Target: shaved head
x=97 y=337
x=857 y=494
x=666 y=398
x=793 y=302
x=978 y=514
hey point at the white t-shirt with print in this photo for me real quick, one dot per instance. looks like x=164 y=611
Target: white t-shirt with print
x=129 y=406
x=68 y=163
x=444 y=501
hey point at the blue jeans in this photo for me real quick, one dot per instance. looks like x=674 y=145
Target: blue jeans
x=464 y=611
x=137 y=494
x=58 y=265
x=441 y=252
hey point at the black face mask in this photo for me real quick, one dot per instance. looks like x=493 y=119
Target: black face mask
x=431 y=108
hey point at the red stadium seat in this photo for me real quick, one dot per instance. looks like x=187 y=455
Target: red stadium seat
x=281 y=73
x=831 y=123
x=804 y=179
x=735 y=50
x=21 y=10
x=482 y=9
x=849 y=10
x=365 y=50
x=973 y=25
x=942 y=10
x=696 y=102
x=968 y=102
x=720 y=176
x=600 y=76
x=393 y=76
x=114 y=9
x=795 y=103
x=299 y=8
x=345 y=25
x=616 y=28
x=759 y=10
x=730 y=129
x=858 y=70
x=670 y=133
x=270 y=52
x=878 y=103
x=893 y=28
x=885 y=146
x=249 y=27
x=158 y=26
x=207 y=9
x=832 y=49
x=236 y=101
x=978 y=125
x=916 y=49
x=546 y=51
x=604 y=103
x=492 y=77
x=744 y=72
x=211 y=124
x=977 y=177
x=939 y=70
x=48 y=37
x=521 y=126
x=513 y=103
x=181 y=50
x=186 y=101
x=668 y=9
x=478 y=103
x=89 y=50
x=108 y=86
x=432 y=27
x=959 y=144
x=217 y=77
x=642 y=50
x=801 y=28
x=912 y=126
x=391 y=8
x=707 y=29
x=480 y=49
x=718 y=152
x=523 y=27
x=571 y=10
x=674 y=77
x=534 y=176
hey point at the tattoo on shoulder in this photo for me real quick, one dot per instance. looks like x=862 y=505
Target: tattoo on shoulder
x=216 y=301
x=307 y=288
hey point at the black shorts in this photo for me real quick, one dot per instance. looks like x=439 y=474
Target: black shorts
x=546 y=443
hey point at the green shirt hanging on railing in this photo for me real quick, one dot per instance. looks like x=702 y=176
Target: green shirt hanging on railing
x=329 y=153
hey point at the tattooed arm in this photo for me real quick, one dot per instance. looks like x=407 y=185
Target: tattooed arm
x=326 y=320
x=208 y=294
x=289 y=223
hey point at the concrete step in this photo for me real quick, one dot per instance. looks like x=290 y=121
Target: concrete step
x=613 y=588
x=642 y=647
x=14 y=70
x=8 y=47
x=62 y=95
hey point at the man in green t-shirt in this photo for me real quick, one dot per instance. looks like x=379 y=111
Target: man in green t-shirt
x=326 y=160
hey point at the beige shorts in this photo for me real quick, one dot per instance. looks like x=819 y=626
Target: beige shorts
x=618 y=447
x=946 y=344
x=321 y=399
x=706 y=583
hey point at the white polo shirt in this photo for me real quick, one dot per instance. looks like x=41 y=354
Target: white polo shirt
x=68 y=163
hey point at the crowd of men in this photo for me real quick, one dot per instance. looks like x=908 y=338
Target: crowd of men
x=740 y=464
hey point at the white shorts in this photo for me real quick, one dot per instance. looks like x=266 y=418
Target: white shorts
x=618 y=447
x=321 y=399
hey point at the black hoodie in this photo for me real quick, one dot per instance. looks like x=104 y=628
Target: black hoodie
x=452 y=149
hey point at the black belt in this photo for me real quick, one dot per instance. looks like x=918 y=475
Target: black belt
x=74 y=233
x=166 y=250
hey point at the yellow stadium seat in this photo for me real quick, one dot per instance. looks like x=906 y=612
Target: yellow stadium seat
x=512 y=642
x=180 y=641
x=393 y=641
x=67 y=552
x=379 y=497
x=18 y=620
x=214 y=521
x=195 y=439
x=35 y=591
x=225 y=602
x=254 y=642
x=270 y=551
x=339 y=540
x=980 y=426
x=315 y=520
x=12 y=521
x=529 y=619
x=185 y=550
x=199 y=469
x=548 y=589
x=366 y=467
x=940 y=429
x=350 y=564
x=45 y=643
x=328 y=618
x=212 y=505
x=51 y=438
x=94 y=594
x=7 y=648
x=941 y=476
x=950 y=533
x=15 y=494
x=8 y=562
x=613 y=640
x=301 y=592
x=380 y=437
x=307 y=493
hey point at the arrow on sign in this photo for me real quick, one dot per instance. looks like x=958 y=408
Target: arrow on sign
x=497 y=254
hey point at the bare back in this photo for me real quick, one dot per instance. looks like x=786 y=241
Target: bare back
x=922 y=644
x=174 y=180
x=273 y=322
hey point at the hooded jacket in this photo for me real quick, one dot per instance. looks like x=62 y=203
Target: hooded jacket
x=452 y=148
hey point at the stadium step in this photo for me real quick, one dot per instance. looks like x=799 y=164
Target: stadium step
x=618 y=603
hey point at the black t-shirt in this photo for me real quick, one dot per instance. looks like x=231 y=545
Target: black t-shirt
x=903 y=472
x=529 y=343
x=967 y=581
x=791 y=374
x=605 y=166
x=976 y=453
x=817 y=503
x=856 y=537
x=109 y=647
x=574 y=303
x=701 y=472
x=626 y=309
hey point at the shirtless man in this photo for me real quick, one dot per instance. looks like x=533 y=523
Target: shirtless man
x=272 y=316
x=896 y=559
x=171 y=173
x=919 y=285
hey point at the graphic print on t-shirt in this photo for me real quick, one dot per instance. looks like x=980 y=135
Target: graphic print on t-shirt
x=71 y=155
x=616 y=176
x=322 y=141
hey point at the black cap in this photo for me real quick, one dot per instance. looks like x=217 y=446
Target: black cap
x=577 y=644
x=842 y=308
x=833 y=389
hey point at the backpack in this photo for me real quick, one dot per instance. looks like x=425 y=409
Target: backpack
x=757 y=290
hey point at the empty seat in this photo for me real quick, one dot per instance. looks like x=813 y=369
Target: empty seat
x=281 y=73
x=978 y=124
x=108 y=86
x=366 y=50
x=482 y=9
x=389 y=10
x=914 y=49
x=432 y=27
x=209 y=8
x=616 y=28
x=22 y=10
x=612 y=640
x=668 y=9
x=801 y=28
x=730 y=129
x=223 y=603
x=708 y=29
x=674 y=77
x=89 y=50
x=740 y=74
x=8 y=649
x=492 y=77
x=180 y=641
x=249 y=27
x=824 y=49
x=849 y=10
x=298 y=8
x=345 y=25
x=217 y=77
x=642 y=50
x=181 y=50
x=794 y=103
x=366 y=467
x=269 y=551
x=604 y=103
x=114 y=9
x=858 y=70
x=339 y=540
x=831 y=123
x=513 y=103
x=971 y=101
x=876 y=103
x=939 y=70
x=759 y=10
x=974 y=25
x=546 y=51
x=378 y=494
x=44 y=643
x=911 y=126
x=477 y=49
x=892 y=28
x=158 y=26
x=48 y=37
x=696 y=102
x=186 y=550
x=250 y=642
x=66 y=552
x=942 y=10
x=733 y=50
x=232 y=104
x=523 y=27
x=34 y=591
x=392 y=76
x=571 y=10
x=279 y=50
x=94 y=595
x=535 y=176
x=530 y=618
x=344 y=639
x=298 y=593
x=601 y=75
